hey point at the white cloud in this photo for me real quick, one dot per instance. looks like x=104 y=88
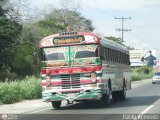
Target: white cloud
x=102 y=4
x=118 y=4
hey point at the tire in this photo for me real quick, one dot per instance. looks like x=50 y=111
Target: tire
x=122 y=95
x=56 y=104
x=105 y=100
x=153 y=82
x=115 y=96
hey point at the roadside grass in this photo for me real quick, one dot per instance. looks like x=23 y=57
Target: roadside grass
x=141 y=73
x=18 y=90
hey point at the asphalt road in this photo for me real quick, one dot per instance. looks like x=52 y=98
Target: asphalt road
x=142 y=99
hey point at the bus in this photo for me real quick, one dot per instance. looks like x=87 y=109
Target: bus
x=82 y=66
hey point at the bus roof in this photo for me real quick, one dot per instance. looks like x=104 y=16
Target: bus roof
x=113 y=45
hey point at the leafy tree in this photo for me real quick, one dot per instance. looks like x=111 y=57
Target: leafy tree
x=66 y=17
x=130 y=48
x=117 y=40
x=9 y=31
x=22 y=63
x=19 y=11
x=2 y=11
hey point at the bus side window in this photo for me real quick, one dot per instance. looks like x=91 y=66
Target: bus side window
x=102 y=52
x=43 y=56
x=123 y=58
x=107 y=54
x=112 y=55
x=117 y=58
x=128 y=60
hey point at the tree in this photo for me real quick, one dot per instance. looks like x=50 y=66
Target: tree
x=130 y=48
x=2 y=11
x=66 y=17
x=9 y=31
x=19 y=11
x=117 y=40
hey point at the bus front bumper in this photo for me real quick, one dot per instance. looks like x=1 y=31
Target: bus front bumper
x=95 y=94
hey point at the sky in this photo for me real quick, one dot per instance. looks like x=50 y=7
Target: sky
x=144 y=22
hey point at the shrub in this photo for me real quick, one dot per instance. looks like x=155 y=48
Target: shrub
x=135 y=77
x=141 y=73
x=14 y=91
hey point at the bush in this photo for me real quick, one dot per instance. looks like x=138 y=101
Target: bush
x=7 y=75
x=135 y=77
x=14 y=91
x=141 y=73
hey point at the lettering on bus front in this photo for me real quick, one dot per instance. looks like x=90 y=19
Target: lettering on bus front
x=68 y=40
x=56 y=63
x=84 y=61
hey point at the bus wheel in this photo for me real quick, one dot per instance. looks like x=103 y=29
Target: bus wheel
x=115 y=96
x=105 y=100
x=122 y=95
x=56 y=104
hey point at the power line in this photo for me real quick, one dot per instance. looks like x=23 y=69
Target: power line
x=122 y=27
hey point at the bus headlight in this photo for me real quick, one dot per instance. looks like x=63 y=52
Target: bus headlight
x=48 y=81
x=93 y=77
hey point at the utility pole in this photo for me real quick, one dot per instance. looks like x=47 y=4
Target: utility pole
x=122 y=28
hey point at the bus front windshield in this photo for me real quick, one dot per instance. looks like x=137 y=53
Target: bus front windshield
x=74 y=55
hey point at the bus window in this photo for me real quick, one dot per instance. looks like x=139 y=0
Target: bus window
x=102 y=53
x=107 y=57
x=111 y=54
x=42 y=54
x=55 y=56
x=85 y=54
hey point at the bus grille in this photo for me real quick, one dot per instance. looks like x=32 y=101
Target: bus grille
x=70 y=81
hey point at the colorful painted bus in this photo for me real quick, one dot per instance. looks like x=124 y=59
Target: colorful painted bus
x=81 y=66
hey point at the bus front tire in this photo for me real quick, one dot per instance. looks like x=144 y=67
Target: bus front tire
x=56 y=104
x=105 y=100
x=115 y=96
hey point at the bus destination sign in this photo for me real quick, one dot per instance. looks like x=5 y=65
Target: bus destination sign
x=68 y=40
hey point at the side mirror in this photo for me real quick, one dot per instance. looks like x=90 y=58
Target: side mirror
x=35 y=57
x=129 y=63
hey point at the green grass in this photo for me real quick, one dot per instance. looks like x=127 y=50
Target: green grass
x=14 y=91
x=141 y=73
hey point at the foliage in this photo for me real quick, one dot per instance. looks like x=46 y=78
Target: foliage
x=66 y=17
x=14 y=91
x=117 y=40
x=130 y=48
x=18 y=10
x=9 y=32
x=17 y=42
x=22 y=63
x=2 y=11
x=141 y=73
